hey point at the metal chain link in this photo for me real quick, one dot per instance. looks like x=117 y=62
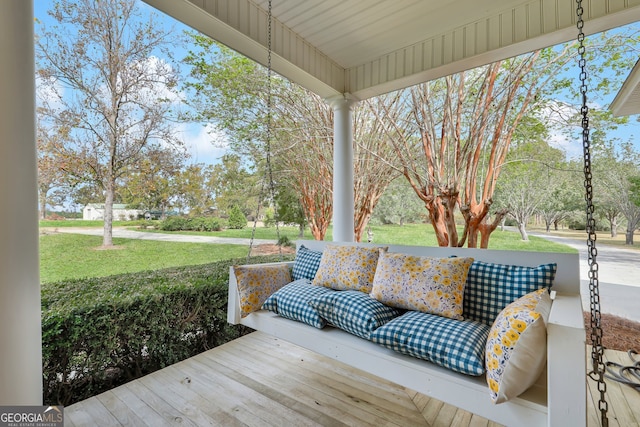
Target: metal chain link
x=267 y=141
x=597 y=350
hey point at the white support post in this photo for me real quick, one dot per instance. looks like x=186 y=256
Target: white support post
x=20 y=321
x=343 y=194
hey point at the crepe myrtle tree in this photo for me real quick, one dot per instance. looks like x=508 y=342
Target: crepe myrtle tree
x=230 y=90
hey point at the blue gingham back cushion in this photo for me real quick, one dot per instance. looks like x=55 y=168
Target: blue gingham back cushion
x=292 y=302
x=491 y=287
x=354 y=311
x=306 y=263
x=453 y=344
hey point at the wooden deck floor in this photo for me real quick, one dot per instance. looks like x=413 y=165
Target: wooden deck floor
x=258 y=380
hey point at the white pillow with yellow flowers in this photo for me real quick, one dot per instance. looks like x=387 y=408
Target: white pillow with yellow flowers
x=425 y=284
x=516 y=350
x=347 y=268
x=257 y=282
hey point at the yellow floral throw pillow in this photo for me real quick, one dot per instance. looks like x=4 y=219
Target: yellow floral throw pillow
x=257 y=282
x=516 y=350
x=347 y=267
x=429 y=285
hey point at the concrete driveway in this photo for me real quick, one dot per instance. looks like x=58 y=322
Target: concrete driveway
x=141 y=235
x=618 y=273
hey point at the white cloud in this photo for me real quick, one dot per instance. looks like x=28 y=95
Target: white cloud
x=572 y=146
x=49 y=93
x=206 y=144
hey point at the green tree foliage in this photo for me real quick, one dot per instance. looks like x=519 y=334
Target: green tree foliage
x=237 y=220
x=399 y=204
x=151 y=182
x=635 y=189
x=528 y=178
x=289 y=209
x=614 y=164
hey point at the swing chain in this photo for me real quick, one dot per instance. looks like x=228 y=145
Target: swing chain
x=597 y=349
x=267 y=142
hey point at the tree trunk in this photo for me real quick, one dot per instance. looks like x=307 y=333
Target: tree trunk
x=436 y=215
x=107 y=238
x=486 y=229
x=301 y=230
x=449 y=202
x=629 y=237
x=523 y=231
x=361 y=225
x=614 y=227
x=43 y=207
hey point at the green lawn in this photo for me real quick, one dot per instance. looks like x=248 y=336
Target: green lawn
x=71 y=256
x=408 y=234
x=67 y=256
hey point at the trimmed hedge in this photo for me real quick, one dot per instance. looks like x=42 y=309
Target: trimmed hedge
x=179 y=223
x=98 y=333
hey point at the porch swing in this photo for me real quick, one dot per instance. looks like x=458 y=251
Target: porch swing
x=556 y=398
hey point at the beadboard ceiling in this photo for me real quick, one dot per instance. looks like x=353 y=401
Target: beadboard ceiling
x=363 y=48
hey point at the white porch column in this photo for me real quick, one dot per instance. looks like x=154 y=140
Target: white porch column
x=343 y=197
x=20 y=324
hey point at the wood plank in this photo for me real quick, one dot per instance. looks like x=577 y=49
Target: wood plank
x=92 y=413
x=120 y=410
x=340 y=376
x=301 y=391
x=164 y=408
x=624 y=399
x=177 y=390
x=311 y=389
x=353 y=383
x=619 y=409
x=245 y=403
x=313 y=414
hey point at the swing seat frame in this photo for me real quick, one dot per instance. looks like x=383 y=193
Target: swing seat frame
x=557 y=399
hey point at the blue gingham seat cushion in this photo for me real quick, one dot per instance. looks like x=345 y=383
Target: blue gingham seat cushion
x=306 y=263
x=354 y=311
x=491 y=287
x=453 y=344
x=292 y=302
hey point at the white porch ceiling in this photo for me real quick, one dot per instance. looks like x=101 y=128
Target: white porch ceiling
x=368 y=47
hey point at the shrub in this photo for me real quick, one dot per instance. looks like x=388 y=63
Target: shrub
x=175 y=223
x=269 y=217
x=237 y=220
x=102 y=332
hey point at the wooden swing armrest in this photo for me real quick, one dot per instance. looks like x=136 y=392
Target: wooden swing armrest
x=566 y=364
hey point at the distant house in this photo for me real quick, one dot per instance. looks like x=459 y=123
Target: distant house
x=95 y=211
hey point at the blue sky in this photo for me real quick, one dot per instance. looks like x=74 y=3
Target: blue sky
x=198 y=139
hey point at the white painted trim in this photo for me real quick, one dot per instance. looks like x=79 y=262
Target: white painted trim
x=343 y=192
x=20 y=318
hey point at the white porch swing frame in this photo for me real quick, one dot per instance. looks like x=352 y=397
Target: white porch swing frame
x=557 y=399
